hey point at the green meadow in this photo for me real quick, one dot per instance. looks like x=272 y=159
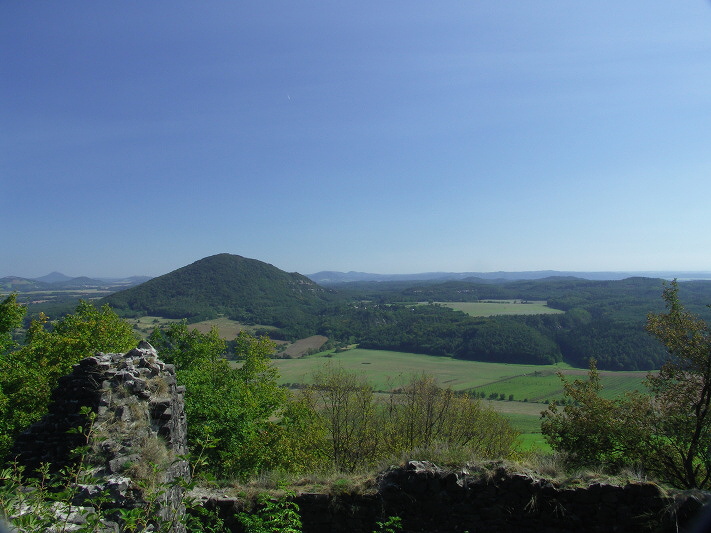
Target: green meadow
x=531 y=386
x=385 y=369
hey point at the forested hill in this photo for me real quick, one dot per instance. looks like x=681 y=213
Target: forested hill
x=243 y=289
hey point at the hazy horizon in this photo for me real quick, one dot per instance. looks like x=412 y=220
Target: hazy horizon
x=398 y=137
x=702 y=273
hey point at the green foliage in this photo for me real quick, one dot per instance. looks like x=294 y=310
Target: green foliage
x=391 y=524
x=274 y=515
x=614 y=345
x=422 y=415
x=419 y=417
x=594 y=430
x=239 y=408
x=508 y=340
x=29 y=373
x=346 y=405
x=302 y=443
x=439 y=330
x=11 y=315
x=682 y=390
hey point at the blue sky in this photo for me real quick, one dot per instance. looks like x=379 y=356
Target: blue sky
x=388 y=137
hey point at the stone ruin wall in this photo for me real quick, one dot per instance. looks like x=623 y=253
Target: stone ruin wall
x=141 y=418
x=140 y=421
x=495 y=500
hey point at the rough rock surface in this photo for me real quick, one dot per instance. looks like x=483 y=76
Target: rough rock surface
x=431 y=499
x=136 y=441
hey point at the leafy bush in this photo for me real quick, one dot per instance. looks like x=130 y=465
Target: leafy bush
x=359 y=431
x=273 y=515
x=28 y=374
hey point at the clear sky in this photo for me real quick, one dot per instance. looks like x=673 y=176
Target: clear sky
x=392 y=137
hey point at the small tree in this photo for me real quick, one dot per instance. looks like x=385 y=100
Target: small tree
x=11 y=315
x=668 y=432
x=346 y=405
x=594 y=430
x=423 y=415
x=682 y=392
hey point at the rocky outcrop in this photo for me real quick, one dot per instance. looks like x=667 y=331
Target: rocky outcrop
x=135 y=441
x=497 y=499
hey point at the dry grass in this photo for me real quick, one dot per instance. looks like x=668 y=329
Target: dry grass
x=155 y=457
x=158 y=386
x=548 y=467
x=333 y=483
x=553 y=467
x=304 y=346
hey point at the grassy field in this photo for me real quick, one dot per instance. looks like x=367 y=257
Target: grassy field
x=502 y=307
x=146 y=324
x=303 y=346
x=546 y=385
x=228 y=328
x=382 y=367
x=534 y=383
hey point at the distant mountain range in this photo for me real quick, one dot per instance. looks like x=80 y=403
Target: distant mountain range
x=58 y=281
x=333 y=278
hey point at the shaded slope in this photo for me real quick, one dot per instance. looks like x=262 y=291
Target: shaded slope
x=240 y=288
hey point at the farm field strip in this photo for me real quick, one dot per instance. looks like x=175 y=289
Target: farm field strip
x=145 y=325
x=383 y=367
x=303 y=346
x=538 y=388
x=386 y=369
x=228 y=328
x=497 y=308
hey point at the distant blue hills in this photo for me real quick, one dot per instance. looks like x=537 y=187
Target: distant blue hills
x=332 y=277
x=53 y=277
x=59 y=281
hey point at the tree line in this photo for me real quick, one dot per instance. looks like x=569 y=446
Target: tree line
x=574 y=337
